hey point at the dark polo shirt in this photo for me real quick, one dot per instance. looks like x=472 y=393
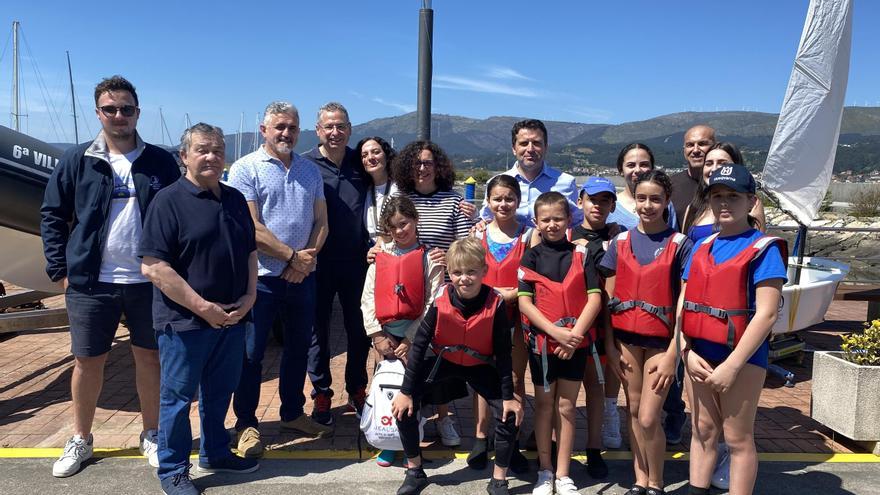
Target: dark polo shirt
x=683 y=190
x=206 y=240
x=345 y=188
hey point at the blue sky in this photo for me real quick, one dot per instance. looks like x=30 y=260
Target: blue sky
x=580 y=61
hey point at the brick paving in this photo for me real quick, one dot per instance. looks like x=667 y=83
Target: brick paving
x=35 y=372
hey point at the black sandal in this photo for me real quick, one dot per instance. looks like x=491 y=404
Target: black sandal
x=636 y=490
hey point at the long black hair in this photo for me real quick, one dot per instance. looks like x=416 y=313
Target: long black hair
x=700 y=201
x=386 y=148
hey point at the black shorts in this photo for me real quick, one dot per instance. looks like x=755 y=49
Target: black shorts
x=571 y=369
x=638 y=340
x=452 y=379
x=95 y=314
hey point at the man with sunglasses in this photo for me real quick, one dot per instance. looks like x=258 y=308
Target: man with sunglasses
x=342 y=265
x=91 y=224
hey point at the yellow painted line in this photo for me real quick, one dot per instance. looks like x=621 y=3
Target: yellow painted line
x=613 y=455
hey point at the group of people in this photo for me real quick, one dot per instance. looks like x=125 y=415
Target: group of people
x=668 y=281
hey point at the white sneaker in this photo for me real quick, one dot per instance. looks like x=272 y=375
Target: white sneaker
x=448 y=436
x=76 y=451
x=544 y=485
x=721 y=475
x=611 y=428
x=566 y=486
x=149 y=447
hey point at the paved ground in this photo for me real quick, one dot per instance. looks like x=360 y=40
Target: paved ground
x=131 y=476
x=35 y=370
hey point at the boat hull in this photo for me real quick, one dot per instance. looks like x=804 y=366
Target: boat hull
x=805 y=304
x=22 y=262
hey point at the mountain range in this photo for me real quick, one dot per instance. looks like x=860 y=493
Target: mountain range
x=485 y=143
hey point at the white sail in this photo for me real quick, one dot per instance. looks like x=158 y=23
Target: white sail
x=799 y=164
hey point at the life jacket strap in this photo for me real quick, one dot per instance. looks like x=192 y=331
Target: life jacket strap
x=723 y=314
x=455 y=348
x=599 y=373
x=615 y=305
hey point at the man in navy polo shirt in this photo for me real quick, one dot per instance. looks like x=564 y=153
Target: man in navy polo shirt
x=91 y=222
x=285 y=195
x=200 y=252
x=342 y=265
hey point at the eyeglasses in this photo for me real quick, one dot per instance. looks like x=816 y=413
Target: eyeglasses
x=425 y=163
x=111 y=110
x=338 y=127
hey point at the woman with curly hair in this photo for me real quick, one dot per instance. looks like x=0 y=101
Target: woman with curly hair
x=377 y=156
x=423 y=172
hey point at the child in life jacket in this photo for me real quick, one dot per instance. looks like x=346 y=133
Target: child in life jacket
x=559 y=297
x=732 y=288
x=644 y=273
x=505 y=240
x=598 y=199
x=399 y=288
x=469 y=333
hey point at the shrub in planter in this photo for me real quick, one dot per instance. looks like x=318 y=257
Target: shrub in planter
x=863 y=348
x=846 y=386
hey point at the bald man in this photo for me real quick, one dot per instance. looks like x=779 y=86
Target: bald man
x=697 y=142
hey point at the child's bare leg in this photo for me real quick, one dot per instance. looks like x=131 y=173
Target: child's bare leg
x=705 y=428
x=632 y=388
x=545 y=404
x=650 y=406
x=481 y=408
x=566 y=399
x=739 y=406
x=595 y=405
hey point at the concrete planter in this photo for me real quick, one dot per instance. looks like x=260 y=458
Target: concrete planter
x=846 y=396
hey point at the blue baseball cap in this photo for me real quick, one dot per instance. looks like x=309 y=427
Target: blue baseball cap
x=734 y=176
x=595 y=185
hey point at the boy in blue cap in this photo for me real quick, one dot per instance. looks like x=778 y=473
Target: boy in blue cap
x=597 y=199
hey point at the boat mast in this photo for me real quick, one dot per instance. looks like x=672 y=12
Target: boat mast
x=16 y=124
x=72 y=99
x=238 y=137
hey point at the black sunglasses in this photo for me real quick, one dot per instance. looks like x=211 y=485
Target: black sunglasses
x=111 y=110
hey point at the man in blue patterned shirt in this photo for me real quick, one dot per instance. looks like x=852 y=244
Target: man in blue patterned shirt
x=285 y=195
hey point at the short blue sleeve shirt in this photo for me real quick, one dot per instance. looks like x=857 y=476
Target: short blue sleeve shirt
x=285 y=199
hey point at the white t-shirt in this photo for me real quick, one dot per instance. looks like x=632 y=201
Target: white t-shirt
x=119 y=261
x=373 y=210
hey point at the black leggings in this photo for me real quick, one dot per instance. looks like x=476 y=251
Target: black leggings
x=484 y=380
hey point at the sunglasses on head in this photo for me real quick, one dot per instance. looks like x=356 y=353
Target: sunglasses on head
x=111 y=110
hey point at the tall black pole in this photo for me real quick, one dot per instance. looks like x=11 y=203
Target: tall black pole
x=426 y=65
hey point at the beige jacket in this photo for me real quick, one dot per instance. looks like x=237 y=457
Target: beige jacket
x=434 y=281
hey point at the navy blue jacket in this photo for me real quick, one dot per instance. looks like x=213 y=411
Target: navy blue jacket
x=76 y=206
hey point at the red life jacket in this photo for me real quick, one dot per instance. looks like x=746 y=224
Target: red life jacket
x=716 y=299
x=560 y=302
x=400 y=286
x=643 y=296
x=460 y=340
x=503 y=273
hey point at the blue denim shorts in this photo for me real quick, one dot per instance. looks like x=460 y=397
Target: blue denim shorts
x=95 y=315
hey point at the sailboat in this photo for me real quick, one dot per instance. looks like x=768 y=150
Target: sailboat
x=25 y=166
x=799 y=165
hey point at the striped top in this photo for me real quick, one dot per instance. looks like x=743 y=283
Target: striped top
x=441 y=220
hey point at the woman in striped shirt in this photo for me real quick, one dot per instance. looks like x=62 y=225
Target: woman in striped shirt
x=423 y=172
